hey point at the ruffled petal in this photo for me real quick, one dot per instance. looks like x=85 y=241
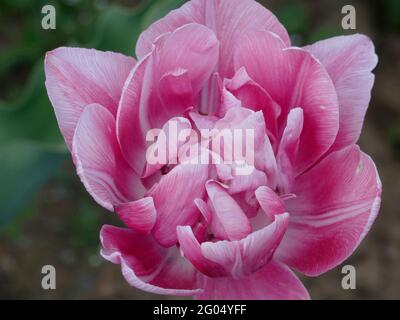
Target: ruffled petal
x=227 y=18
x=164 y=85
x=148 y=266
x=289 y=148
x=99 y=162
x=274 y=281
x=244 y=257
x=78 y=77
x=228 y=220
x=349 y=61
x=336 y=203
x=191 y=250
x=138 y=215
x=294 y=78
x=165 y=150
x=174 y=199
x=253 y=96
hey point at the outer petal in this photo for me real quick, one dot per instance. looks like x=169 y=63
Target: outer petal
x=336 y=203
x=174 y=199
x=349 y=61
x=100 y=165
x=146 y=265
x=228 y=19
x=273 y=282
x=294 y=78
x=78 y=77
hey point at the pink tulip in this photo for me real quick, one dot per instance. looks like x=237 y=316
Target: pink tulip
x=199 y=229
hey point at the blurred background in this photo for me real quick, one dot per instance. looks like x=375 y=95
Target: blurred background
x=46 y=216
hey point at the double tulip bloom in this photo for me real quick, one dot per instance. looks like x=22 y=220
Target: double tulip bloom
x=201 y=229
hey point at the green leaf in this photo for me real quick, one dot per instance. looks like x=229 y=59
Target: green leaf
x=25 y=167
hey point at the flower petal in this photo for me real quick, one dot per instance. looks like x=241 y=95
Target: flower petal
x=227 y=18
x=174 y=199
x=191 y=250
x=163 y=85
x=349 y=61
x=273 y=282
x=138 y=215
x=99 y=162
x=228 y=221
x=289 y=148
x=294 y=78
x=336 y=203
x=168 y=143
x=270 y=202
x=148 y=266
x=253 y=96
x=78 y=77
x=246 y=256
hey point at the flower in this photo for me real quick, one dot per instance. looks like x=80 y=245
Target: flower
x=203 y=230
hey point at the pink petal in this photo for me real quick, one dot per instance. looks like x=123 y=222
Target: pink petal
x=253 y=96
x=273 y=282
x=270 y=202
x=148 y=266
x=130 y=126
x=293 y=78
x=171 y=144
x=242 y=120
x=202 y=121
x=193 y=48
x=78 y=77
x=100 y=165
x=246 y=256
x=163 y=85
x=176 y=89
x=191 y=250
x=336 y=203
x=174 y=199
x=249 y=182
x=227 y=18
x=228 y=221
x=289 y=148
x=349 y=61
x=138 y=215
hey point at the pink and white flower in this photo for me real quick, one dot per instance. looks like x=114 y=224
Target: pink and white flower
x=200 y=229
